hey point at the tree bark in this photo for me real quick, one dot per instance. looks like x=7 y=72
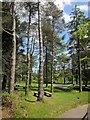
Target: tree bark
x=4 y=82
x=40 y=81
x=64 y=80
x=28 y=67
x=79 y=68
x=64 y=73
x=52 y=70
x=72 y=79
x=28 y=55
x=86 y=83
x=85 y=71
x=30 y=80
x=76 y=77
x=13 y=52
x=78 y=55
x=46 y=67
x=31 y=60
x=52 y=57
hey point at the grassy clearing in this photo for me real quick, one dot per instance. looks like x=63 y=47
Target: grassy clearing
x=51 y=107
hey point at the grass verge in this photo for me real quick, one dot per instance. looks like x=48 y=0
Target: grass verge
x=51 y=107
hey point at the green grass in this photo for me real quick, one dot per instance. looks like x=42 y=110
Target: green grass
x=51 y=107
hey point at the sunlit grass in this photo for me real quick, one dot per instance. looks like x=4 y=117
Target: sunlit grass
x=51 y=107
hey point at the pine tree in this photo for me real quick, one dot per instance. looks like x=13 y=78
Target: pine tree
x=77 y=18
x=51 y=28
x=40 y=81
x=13 y=54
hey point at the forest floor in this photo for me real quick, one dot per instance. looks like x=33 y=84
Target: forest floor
x=7 y=107
x=20 y=106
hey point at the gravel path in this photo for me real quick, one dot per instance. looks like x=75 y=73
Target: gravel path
x=79 y=112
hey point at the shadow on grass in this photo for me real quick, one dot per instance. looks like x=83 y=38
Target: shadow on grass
x=19 y=86
x=22 y=88
x=61 y=88
x=69 y=89
x=46 y=90
x=32 y=101
x=34 y=88
x=19 y=89
x=83 y=88
x=57 y=90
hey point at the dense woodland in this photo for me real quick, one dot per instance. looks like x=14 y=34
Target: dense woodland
x=34 y=47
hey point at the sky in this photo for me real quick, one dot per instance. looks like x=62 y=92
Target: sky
x=67 y=6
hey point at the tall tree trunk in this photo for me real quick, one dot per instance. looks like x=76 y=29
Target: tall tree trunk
x=79 y=68
x=64 y=80
x=31 y=60
x=22 y=75
x=28 y=54
x=4 y=78
x=76 y=77
x=28 y=67
x=72 y=79
x=64 y=73
x=78 y=55
x=83 y=75
x=30 y=80
x=86 y=78
x=40 y=81
x=13 y=53
x=4 y=82
x=72 y=74
x=86 y=82
x=52 y=69
x=52 y=57
x=46 y=67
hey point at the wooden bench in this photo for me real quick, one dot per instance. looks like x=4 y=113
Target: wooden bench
x=48 y=94
x=36 y=94
x=15 y=88
x=24 y=87
x=17 y=85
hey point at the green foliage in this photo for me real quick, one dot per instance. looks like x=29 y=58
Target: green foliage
x=79 y=28
x=52 y=26
x=8 y=96
x=78 y=18
x=82 y=31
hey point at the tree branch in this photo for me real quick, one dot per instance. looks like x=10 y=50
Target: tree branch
x=4 y=12
x=7 y=32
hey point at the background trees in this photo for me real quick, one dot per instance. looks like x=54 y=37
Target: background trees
x=32 y=37
x=82 y=35
x=53 y=25
x=77 y=19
